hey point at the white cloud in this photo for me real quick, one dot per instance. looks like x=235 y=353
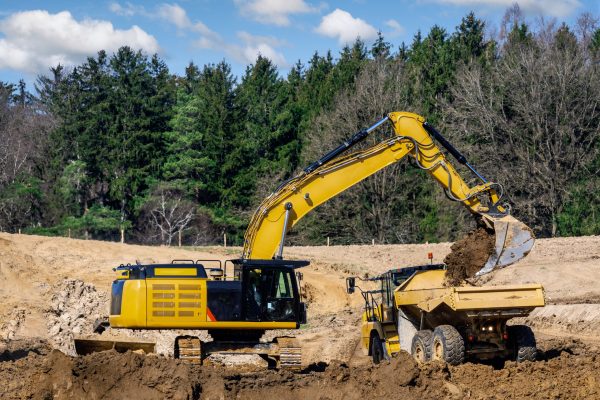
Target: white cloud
x=246 y=51
x=342 y=25
x=36 y=40
x=128 y=10
x=177 y=16
x=554 y=8
x=395 y=28
x=174 y=14
x=255 y=45
x=274 y=12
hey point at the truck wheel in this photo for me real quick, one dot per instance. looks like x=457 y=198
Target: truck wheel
x=376 y=349
x=523 y=340
x=421 y=346
x=447 y=345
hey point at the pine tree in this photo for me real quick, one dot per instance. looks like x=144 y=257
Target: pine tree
x=201 y=135
x=468 y=40
x=381 y=48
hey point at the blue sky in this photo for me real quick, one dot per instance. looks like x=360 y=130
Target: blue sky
x=35 y=34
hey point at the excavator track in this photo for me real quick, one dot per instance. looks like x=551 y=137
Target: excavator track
x=189 y=348
x=290 y=354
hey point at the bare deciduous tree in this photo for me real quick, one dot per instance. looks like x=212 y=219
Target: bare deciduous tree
x=24 y=129
x=388 y=206
x=533 y=121
x=170 y=213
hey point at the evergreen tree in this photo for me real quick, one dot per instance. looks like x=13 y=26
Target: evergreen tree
x=431 y=65
x=595 y=46
x=381 y=48
x=468 y=41
x=200 y=139
x=262 y=143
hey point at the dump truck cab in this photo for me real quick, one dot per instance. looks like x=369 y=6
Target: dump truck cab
x=413 y=310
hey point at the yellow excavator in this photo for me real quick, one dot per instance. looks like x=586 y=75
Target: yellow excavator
x=240 y=299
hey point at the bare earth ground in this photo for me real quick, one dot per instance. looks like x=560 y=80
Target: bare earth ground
x=52 y=288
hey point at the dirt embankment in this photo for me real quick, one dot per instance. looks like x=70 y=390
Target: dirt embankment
x=469 y=255
x=567 y=370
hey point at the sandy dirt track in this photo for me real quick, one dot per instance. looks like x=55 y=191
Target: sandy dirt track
x=50 y=287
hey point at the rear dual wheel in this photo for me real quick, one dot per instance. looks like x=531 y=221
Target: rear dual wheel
x=447 y=345
x=523 y=341
x=421 y=346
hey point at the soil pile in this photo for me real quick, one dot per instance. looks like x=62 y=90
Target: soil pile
x=398 y=378
x=567 y=370
x=107 y=375
x=468 y=256
x=74 y=308
x=13 y=321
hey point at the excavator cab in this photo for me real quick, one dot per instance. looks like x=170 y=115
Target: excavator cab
x=270 y=291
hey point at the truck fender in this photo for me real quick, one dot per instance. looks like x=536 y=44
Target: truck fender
x=376 y=331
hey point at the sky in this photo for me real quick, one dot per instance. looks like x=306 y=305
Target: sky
x=36 y=34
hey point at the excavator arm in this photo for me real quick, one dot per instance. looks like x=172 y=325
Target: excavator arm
x=334 y=173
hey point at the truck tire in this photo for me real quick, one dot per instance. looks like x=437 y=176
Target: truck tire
x=421 y=346
x=447 y=345
x=523 y=340
x=376 y=349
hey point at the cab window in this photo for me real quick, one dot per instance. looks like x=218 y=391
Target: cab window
x=283 y=285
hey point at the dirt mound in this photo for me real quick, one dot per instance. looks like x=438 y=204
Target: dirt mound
x=13 y=321
x=107 y=375
x=19 y=348
x=564 y=375
x=398 y=378
x=565 y=319
x=468 y=256
x=567 y=370
x=74 y=308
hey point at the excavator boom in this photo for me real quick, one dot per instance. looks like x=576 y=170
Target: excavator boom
x=335 y=173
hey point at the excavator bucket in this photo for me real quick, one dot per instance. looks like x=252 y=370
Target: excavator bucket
x=514 y=241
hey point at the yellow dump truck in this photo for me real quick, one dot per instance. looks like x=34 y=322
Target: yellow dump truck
x=412 y=310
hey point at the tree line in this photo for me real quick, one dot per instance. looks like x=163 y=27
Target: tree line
x=120 y=143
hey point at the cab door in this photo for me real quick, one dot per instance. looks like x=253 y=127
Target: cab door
x=270 y=294
x=281 y=303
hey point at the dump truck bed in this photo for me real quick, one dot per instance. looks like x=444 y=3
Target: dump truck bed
x=425 y=290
